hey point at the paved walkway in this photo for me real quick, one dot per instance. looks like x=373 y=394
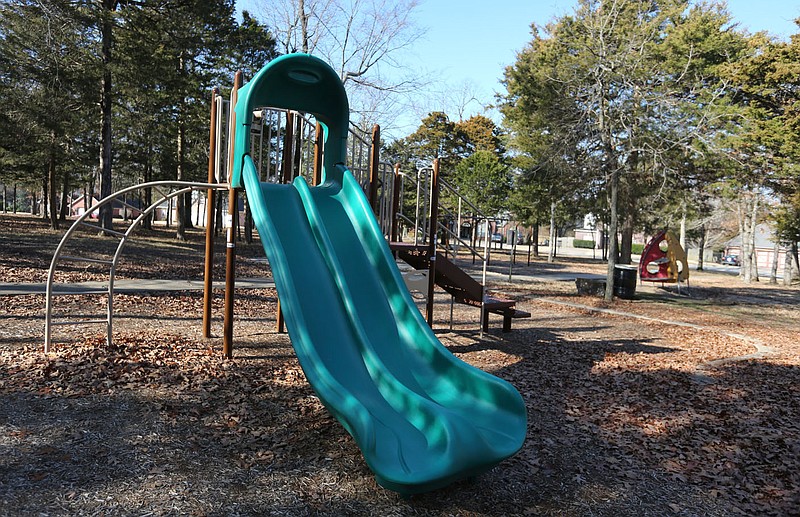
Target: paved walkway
x=128 y=286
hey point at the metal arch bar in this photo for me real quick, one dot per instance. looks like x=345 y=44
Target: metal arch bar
x=186 y=186
x=101 y=229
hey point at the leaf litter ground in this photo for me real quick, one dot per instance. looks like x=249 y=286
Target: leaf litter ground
x=624 y=417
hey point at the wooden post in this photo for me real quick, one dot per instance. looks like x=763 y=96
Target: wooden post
x=233 y=215
x=433 y=223
x=210 y=194
x=374 y=165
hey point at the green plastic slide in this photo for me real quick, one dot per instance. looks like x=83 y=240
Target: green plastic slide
x=421 y=417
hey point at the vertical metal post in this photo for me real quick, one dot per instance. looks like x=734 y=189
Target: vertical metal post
x=319 y=142
x=458 y=229
x=416 y=213
x=287 y=177
x=484 y=314
x=210 y=198
x=233 y=215
x=288 y=143
x=374 y=164
x=434 y=217
x=513 y=252
x=396 y=189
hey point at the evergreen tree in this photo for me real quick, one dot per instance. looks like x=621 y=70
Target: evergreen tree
x=47 y=83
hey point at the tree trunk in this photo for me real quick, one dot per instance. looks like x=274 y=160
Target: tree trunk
x=45 y=194
x=791 y=269
x=626 y=210
x=303 y=24
x=612 y=231
x=773 y=274
x=551 y=254
x=147 y=222
x=747 y=210
x=626 y=244
x=181 y=232
x=682 y=237
x=14 y=205
x=106 y=34
x=753 y=250
x=535 y=239
x=218 y=226
x=701 y=249
x=187 y=210
x=248 y=221
x=62 y=216
x=51 y=179
x=795 y=262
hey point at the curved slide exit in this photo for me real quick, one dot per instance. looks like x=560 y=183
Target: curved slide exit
x=422 y=417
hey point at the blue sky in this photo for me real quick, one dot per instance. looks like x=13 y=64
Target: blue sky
x=474 y=40
x=477 y=39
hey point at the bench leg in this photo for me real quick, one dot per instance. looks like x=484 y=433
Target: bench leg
x=485 y=320
x=506 y=323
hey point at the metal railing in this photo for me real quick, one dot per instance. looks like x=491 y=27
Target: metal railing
x=166 y=190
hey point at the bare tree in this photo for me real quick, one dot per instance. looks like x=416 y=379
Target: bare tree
x=360 y=39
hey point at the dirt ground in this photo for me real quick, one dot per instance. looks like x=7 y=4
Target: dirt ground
x=669 y=404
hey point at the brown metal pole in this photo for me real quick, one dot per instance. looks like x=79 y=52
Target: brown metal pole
x=288 y=144
x=374 y=164
x=288 y=176
x=396 y=203
x=233 y=213
x=319 y=142
x=434 y=221
x=210 y=198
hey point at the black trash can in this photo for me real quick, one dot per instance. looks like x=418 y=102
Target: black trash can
x=625 y=281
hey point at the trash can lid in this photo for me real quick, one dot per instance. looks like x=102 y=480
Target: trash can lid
x=624 y=266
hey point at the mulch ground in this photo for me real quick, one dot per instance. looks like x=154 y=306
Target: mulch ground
x=625 y=417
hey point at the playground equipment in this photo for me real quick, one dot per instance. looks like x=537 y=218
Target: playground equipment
x=286 y=144
x=664 y=260
x=165 y=191
x=421 y=417
x=436 y=226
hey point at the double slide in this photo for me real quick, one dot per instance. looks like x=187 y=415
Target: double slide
x=421 y=417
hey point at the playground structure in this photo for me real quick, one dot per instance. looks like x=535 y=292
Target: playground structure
x=421 y=417
x=664 y=260
x=286 y=144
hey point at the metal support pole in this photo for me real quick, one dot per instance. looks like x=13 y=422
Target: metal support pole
x=210 y=198
x=434 y=217
x=486 y=252
x=396 y=190
x=288 y=143
x=319 y=142
x=233 y=216
x=374 y=165
x=287 y=177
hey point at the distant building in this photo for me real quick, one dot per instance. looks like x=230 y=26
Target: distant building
x=764 y=247
x=127 y=210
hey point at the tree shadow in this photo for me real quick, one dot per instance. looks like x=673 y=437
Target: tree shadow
x=608 y=433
